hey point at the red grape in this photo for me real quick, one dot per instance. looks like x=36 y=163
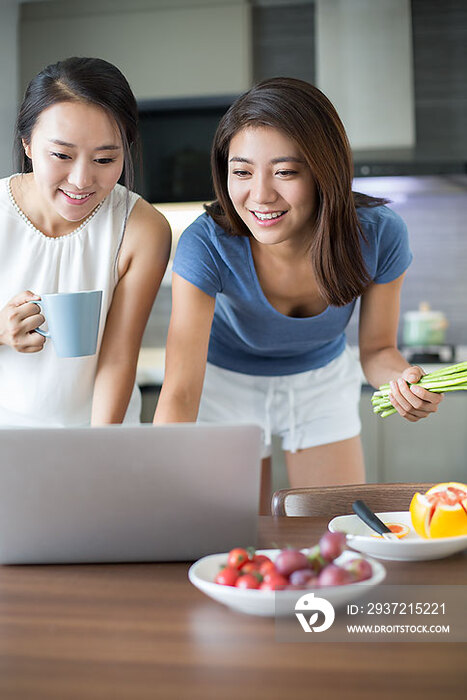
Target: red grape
x=300 y=577
x=289 y=560
x=360 y=569
x=334 y=575
x=331 y=545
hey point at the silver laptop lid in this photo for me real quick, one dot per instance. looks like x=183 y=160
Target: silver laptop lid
x=120 y=494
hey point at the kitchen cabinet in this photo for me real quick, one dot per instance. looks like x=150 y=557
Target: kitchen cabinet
x=434 y=449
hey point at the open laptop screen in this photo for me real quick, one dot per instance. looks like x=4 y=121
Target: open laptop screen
x=118 y=494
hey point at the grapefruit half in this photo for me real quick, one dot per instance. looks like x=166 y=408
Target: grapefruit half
x=441 y=511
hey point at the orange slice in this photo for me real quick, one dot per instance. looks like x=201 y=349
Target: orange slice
x=441 y=511
x=397 y=529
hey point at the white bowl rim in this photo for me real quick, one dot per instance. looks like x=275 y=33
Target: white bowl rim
x=379 y=573
x=424 y=542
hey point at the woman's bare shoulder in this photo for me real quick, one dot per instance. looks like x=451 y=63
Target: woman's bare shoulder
x=146 y=214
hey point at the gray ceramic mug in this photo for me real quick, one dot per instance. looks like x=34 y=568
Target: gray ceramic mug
x=73 y=321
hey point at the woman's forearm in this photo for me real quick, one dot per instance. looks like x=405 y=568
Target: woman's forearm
x=176 y=406
x=381 y=365
x=112 y=392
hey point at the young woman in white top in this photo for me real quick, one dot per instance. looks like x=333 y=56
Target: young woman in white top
x=67 y=225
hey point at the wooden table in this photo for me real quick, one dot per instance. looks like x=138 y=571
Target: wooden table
x=142 y=631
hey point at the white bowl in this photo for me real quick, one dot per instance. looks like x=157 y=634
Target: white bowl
x=412 y=547
x=263 y=603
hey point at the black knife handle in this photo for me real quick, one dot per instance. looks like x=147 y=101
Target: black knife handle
x=368 y=517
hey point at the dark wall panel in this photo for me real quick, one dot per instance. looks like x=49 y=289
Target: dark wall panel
x=440 y=75
x=283 y=41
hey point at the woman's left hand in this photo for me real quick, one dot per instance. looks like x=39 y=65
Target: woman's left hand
x=412 y=402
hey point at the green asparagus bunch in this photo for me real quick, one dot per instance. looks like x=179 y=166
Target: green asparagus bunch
x=452 y=378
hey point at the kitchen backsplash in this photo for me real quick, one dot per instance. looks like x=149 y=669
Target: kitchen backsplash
x=435 y=211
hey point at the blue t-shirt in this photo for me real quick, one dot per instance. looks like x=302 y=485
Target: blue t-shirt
x=248 y=334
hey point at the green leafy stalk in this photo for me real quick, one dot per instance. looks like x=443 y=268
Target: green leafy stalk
x=452 y=378
x=460 y=367
x=388 y=413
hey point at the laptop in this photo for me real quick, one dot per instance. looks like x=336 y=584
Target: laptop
x=127 y=494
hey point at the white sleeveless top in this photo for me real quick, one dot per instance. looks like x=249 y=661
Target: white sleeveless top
x=41 y=389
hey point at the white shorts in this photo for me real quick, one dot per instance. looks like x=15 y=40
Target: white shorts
x=305 y=409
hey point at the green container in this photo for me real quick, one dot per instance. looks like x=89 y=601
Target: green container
x=424 y=328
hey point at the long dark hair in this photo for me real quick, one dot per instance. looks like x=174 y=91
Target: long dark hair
x=304 y=114
x=90 y=80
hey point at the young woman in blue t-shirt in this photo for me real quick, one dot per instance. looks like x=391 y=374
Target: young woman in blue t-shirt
x=265 y=283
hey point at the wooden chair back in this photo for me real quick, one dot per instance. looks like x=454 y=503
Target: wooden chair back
x=330 y=501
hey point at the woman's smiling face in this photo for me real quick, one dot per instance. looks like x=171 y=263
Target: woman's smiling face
x=271 y=185
x=77 y=157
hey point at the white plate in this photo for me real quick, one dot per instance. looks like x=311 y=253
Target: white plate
x=412 y=547
x=256 y=602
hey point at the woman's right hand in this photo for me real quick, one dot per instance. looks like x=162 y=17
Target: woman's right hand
x=18 y=320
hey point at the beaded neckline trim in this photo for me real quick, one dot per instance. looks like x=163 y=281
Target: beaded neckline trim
x=21 y=213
